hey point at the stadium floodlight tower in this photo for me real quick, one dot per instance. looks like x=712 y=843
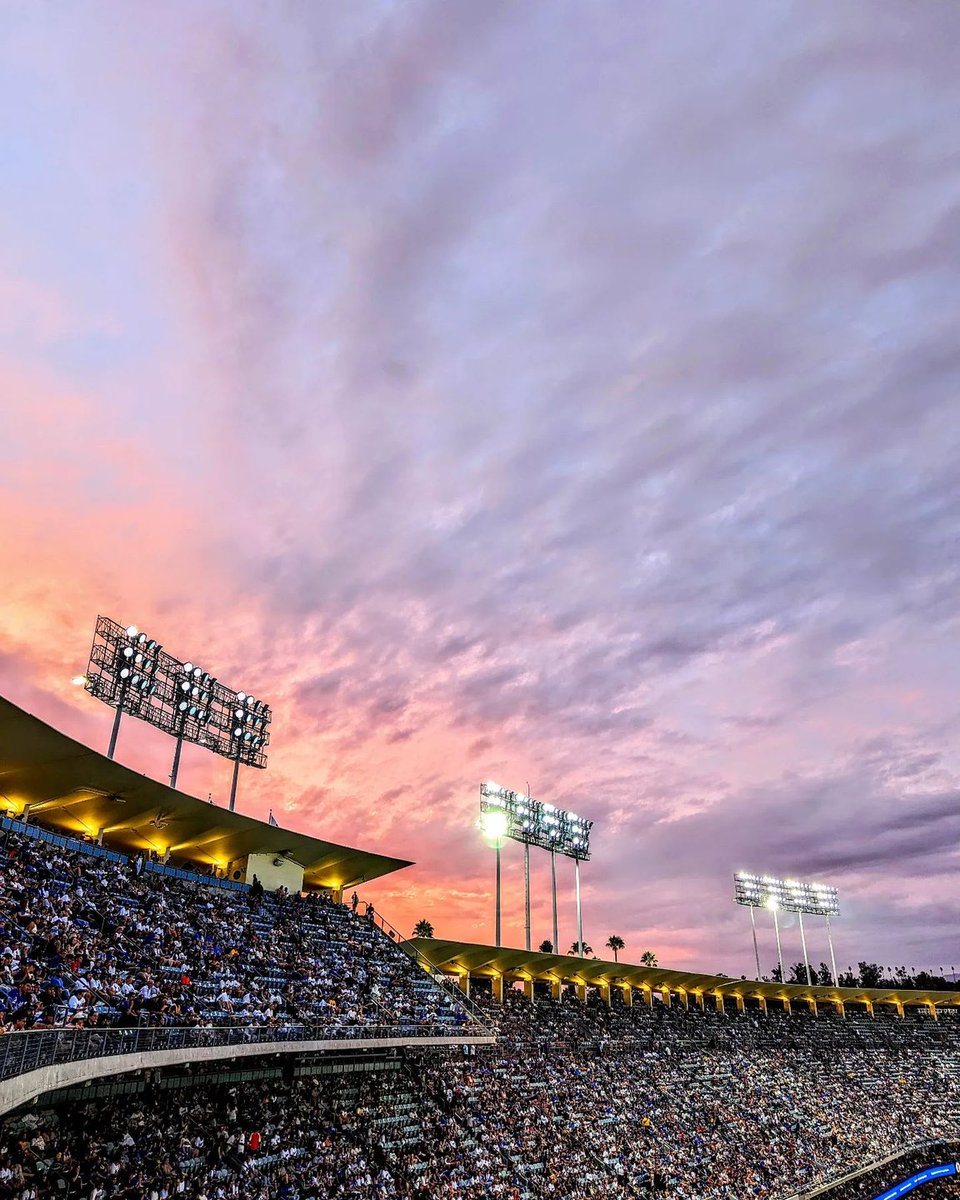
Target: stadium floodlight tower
x=534 y=823
x=788 y=895
x=133 y=674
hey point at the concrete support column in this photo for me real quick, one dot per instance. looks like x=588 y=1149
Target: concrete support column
x=813 y=1005
x=648 y=996
x=684 y=998
x=666 y=996
x=497 y=985
x=932 y=1009
x=718 y=997
x=741 y=1004
x=899 y=1004
x=605 y=993
x=763 y=1004
x=581 y=992
x=702 y=1000
x=868 y=1005
x=528 y=989
x=787 y=1006
x=627 y=994
x=841 y=1009
x=463 y=983
x=556 y=989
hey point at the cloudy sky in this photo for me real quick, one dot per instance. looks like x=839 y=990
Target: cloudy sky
x=551 y=392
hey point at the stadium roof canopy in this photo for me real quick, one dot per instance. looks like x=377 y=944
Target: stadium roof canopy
x=77 y=790
x=460 y=958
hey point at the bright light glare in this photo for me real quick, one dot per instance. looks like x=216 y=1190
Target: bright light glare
x=772 y=904
x=79 y=680
x=494 y=825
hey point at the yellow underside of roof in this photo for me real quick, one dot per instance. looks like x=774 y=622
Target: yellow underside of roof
x=73 y=788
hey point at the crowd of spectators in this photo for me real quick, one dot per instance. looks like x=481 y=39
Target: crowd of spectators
x=85 y=942
x=576 y=1101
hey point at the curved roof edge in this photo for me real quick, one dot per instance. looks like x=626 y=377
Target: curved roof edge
x=473 y=959
x=80 y=791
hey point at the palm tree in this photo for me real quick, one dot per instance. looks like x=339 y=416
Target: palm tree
x=546 y=947
x=648 y=958
x=580 y=951
x=423 y=929
x=616 y=944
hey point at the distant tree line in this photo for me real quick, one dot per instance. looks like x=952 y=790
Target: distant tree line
x=869 y=975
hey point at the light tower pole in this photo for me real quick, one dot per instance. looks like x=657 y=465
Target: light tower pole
x=803 y=943
x=833 y=961
x=776 y=925
x=579 y=911
x=756 y=950
x=553 y=877
x=494 y=825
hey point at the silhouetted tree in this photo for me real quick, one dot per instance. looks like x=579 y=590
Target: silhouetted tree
x=871 y=974
x=423 y=929
x=616 y=944
x=546 y=947
x=648 y=959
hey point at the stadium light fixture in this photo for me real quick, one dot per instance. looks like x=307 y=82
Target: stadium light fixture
x=788 y=895
x=534 y=823
x=494 y=825
x=132 y=673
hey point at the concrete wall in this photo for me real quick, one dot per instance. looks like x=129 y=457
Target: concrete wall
x=288 y=874
x=23 y=1088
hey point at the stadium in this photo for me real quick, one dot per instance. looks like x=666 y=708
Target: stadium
x=216 y=1015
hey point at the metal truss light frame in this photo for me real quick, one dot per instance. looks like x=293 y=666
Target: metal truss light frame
x=133 y=674
x=537 y=824
x=789 y=895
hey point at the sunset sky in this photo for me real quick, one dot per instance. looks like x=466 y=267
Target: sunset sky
x=560 y=392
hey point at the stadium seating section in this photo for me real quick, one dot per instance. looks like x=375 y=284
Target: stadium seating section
x=575 y=1100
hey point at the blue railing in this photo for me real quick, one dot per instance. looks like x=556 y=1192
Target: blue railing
x=230 y=885
x=65 y=842
x=10 y=825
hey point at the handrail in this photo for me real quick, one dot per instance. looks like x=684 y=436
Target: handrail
x=28 y=1050
x=405 y=944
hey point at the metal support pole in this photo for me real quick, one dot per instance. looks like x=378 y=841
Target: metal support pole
x=526 y=887
x=116 y=722
x=579 y=912
x=498 y=894
x=756 y=951
x=233 y=786
x=776 y=926
x=803 y=943
x=176 y=760
x=833 y=961
x=553 y=874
